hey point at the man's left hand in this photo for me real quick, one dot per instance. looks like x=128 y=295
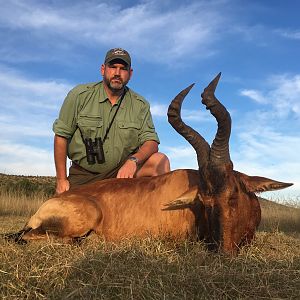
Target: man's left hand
x=127 y=170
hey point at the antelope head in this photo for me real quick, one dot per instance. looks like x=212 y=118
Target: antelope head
x=230 y=208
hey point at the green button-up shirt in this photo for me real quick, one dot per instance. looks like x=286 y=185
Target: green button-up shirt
x=88 y=109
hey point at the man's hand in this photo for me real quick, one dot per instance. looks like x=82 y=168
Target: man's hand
x=62 y=185
x=127 y=170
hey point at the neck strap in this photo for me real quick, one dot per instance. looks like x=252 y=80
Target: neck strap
x=112 y=120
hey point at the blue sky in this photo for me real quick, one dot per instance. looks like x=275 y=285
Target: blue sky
x=47 y=47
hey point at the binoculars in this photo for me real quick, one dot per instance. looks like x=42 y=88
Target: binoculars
x=94 y=151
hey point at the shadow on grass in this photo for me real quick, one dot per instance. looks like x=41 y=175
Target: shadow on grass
x=158 y=270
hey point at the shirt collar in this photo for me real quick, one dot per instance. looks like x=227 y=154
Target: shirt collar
x=103 y=95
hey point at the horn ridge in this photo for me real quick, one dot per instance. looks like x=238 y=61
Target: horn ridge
x=219 y=153
x=192 y=136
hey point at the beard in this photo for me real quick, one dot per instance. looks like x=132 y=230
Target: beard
x=115 y=84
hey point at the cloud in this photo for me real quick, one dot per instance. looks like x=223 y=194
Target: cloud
x=16 y=88
x=20 y=159
x=286 y=94
x=265 y=152
x=255 y=95
x=181 y=157
x=289 y=34
x=160 y=110
x=283 y=94
x=12 y=128
x=268 y=139
x=181 y=30
x=28 y=107
x=263 y=143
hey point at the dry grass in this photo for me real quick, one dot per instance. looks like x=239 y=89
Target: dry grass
x=279 y=217
x=150 y=268
x=20 y=205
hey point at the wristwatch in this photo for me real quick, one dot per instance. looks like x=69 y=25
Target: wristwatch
x=135 y=159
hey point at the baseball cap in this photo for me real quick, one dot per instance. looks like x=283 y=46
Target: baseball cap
x=117 y=53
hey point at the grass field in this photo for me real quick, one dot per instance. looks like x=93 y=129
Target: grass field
x=148 y=268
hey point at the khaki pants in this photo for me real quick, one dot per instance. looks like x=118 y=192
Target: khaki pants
x=78 y=175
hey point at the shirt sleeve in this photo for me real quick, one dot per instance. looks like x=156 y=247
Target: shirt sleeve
x=147 y=132
x=66 y=123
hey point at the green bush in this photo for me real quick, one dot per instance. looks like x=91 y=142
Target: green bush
x=27 y=186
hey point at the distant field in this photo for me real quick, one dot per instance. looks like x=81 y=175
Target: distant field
x=147 y=268
x=22 y=195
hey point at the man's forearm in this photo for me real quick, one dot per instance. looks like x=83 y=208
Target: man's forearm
x=146 y=150
x=60 y=156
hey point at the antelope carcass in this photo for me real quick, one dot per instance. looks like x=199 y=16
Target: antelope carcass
x=214 y=203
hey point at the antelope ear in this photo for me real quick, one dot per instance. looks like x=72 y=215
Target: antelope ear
x=184 y=200
x=261 y=184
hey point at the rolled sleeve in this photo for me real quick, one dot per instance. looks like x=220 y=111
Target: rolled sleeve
x=66 y=123
x=62 y=129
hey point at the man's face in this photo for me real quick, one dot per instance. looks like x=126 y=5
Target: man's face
x=116 y=75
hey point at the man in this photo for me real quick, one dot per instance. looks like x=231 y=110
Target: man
x=120 y=117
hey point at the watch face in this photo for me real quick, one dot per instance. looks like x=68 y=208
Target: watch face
x=133 y=159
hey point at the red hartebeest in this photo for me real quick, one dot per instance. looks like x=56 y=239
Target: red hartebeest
x=215 y=203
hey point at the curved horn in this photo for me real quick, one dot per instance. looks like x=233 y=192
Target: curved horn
x=220 y=147
x=192 y=136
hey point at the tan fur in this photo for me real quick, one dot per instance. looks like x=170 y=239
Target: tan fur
x=121 y=208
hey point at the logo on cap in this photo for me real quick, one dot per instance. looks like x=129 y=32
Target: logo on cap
x=117 y=53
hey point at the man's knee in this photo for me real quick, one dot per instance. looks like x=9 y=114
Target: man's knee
x=162 y=162
x=157 y=164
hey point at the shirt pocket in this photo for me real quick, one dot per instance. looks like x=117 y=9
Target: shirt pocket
x=91 y=126
x=129 y=134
